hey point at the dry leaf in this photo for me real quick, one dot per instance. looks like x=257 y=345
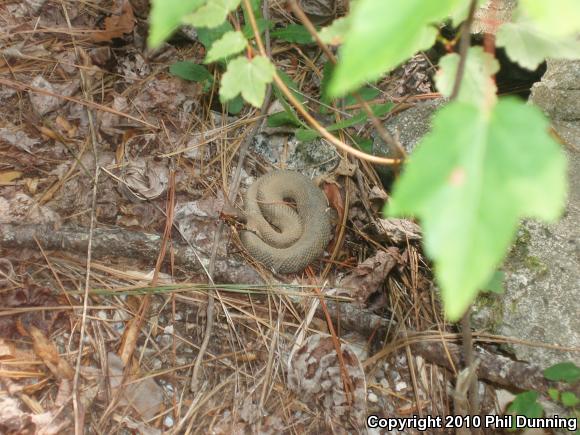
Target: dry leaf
x=144 y=180
x=23 y=209
x=334 y=196
x=145 y=396
x=117 y=25
x=369 y=276
x=7 y=350
x=7 y=177
x=12 y=135
x=314 y=374
x=47 y=352
x=43 y=104
x=398 y=230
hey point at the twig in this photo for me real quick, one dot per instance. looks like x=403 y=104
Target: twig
x=383 y=133
x=467 y=344
x=300 y=108
x=29 y=88
x=465 y=321
x=77 y=405
x=463 y=48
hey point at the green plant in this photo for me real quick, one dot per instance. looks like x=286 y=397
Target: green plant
x=487 y=162
x=527 y=403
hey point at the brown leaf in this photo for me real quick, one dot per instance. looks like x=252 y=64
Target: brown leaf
x=7 y=177
x=7 y=349
x=144 y=395
x=314 y=374
x=398 y=230
x=332 y=192
x=369 y=276
x=47 y=352
x=117 y=25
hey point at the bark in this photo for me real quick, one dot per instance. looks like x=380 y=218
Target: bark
x=119 y=242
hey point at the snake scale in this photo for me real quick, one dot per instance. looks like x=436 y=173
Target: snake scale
x=279 y=236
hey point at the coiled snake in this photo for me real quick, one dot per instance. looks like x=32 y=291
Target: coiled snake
x=279 y=236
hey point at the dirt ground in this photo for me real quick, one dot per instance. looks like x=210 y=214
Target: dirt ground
x=113 y=179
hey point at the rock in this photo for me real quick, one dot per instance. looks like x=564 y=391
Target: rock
x=541 y=302
x=409 y=126
x=312 y=158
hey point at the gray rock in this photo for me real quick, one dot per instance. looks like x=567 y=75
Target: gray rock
x=541 y=302
x=409 y=127
x=311 y=158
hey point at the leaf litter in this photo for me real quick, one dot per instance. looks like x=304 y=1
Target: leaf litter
x=143 y=125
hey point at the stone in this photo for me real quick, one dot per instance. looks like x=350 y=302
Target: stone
x=541 y=302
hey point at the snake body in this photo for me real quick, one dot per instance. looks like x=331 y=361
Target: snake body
x=279 y=236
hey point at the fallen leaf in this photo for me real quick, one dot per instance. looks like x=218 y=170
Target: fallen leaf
x=7 y=349
x=144 y=179
x=368 y=277
x=117 y=25
x=332 y=192
x=7 y=177
x=315 y=375
x=46 y=103
x=15 y=137
x=145 y=396
x=398 y=230
x=47 y=352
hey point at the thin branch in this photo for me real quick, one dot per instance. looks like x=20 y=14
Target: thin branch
x=29 y=88
x=383 y=133
x=300 y=108
x=465 y=321
x=463 y=48
x=78 y=407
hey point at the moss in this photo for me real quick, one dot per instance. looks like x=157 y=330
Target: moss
x=520 y=254
x=489 y=306
x=521 y=246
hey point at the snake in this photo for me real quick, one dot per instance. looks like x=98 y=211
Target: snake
x=284 y=238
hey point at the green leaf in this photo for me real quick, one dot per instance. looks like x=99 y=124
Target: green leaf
x=526 y=404
x=208 y=36
x=212 y=14
x=283 y=118
x=495 y=284
x=334 y=34
x=364 y=144
x=554 y=394
x=555 y=17
x=282 y=99
x=261 y=23
x=248 y=78
x=235 y=106
x=193 y=72
x=527 y=45
x=477 y=85
x=293 y=33
x=307 y=135
x=460 y=13
x=165 y=18
x=569 y=399
x=229 y=44
x=325 y=99
x=566 y=372
x=383 y=34
x=366 y=93
x=471 y=188
x=290 y=84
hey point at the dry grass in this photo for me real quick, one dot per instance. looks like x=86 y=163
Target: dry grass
x=73 y=328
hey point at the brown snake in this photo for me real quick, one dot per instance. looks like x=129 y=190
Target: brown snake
x=279 y=236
